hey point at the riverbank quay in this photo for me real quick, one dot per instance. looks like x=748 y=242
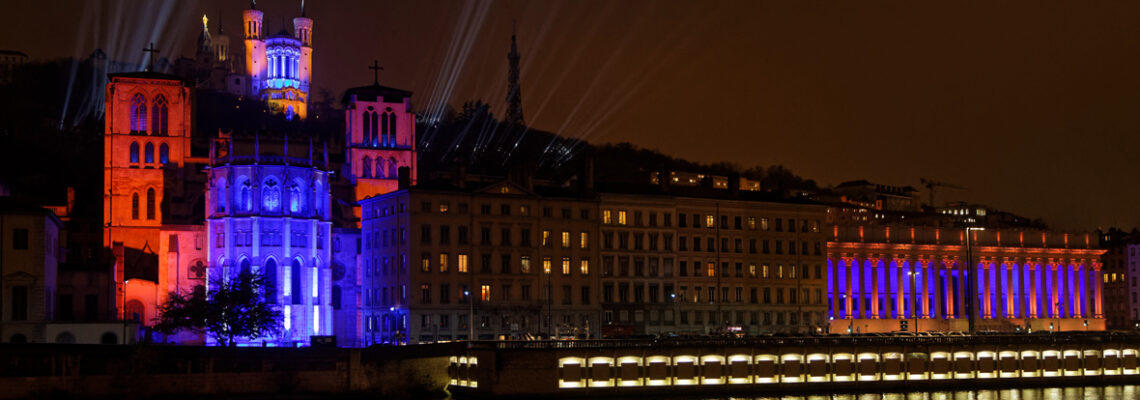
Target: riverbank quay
x=778 y=365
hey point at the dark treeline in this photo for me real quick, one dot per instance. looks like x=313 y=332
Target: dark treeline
x=51 y=127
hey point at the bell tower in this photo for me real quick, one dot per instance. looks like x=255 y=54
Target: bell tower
x=146 y=138
x=380 y=132
x=255 y=61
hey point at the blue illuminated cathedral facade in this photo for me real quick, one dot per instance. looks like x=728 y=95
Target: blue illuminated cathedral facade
x=270 y=214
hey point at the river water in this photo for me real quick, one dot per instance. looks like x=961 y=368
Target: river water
x=1122 y=392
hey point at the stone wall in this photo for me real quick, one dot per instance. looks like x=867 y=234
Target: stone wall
x=93 y=371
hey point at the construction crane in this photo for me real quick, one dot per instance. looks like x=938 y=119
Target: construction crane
x=930 y=184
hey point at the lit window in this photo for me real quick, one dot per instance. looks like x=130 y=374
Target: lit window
x=621 y=217
x=780 y=271
x=443 y=208
x=752 y=270
x=288 y=316
x=461 y=264
x=585 y=266
x=710 y=221
x=585 y=240
x=316 y=319
x=752 y=223
x=546 y=238
x=524 y=210
x=763 y=224
x=316 y=284
x=425 y=263
x=524 y=264
x=764 y=271
x=443 y=262
x=485 y=293
x=606 y=217
x=565 y=240
x=565 y=265
x=546 y=265
x=711 y=269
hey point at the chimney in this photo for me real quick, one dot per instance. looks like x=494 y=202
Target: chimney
x=70 y=199
x=405 y=178
x=588 y=178
x=459 y=178
x=734 y=185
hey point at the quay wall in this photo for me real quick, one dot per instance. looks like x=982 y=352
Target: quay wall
x=127 y=372
x=775 y=365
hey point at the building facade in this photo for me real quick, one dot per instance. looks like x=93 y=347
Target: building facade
x=30 y=255
x=692 y=265
x=269 y=215
x=884 y=277
x=503 y=260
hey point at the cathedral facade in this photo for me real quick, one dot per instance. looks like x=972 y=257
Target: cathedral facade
x=270 y=215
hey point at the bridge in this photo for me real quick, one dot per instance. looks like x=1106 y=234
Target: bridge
x=766 y=365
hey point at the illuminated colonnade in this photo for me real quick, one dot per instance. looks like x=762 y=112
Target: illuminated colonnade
x=1016 y=285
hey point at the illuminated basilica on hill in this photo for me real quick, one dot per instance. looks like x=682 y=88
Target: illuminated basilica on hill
x=273 y=68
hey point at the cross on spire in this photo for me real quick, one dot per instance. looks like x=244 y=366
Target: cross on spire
x=150 y=62
x=376 y=68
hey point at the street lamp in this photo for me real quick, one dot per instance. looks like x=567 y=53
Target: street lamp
x=914 y=296
x=970 y=287
x=470 y=315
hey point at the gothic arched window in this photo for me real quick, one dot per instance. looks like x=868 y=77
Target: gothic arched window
x=366 y=167
x=163 y=154
x=220 y=195
x=244 y=266
x=270 y=195
x=390 y=130
x=318 y=204
x=134 y=206
x=134 y=152
x=150 y=200
x=158 y=115
x=372 y=132
x=393 y=169
x=380 y=168
x=246 y=201
x=366 y=126
x=296 y=199
x=295 y=281
x=149 y=158
x=270 y=275
x=138 y=114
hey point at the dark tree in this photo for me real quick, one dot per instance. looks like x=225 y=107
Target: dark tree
x=231 y=309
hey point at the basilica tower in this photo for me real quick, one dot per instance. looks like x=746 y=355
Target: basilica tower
x=255 y=64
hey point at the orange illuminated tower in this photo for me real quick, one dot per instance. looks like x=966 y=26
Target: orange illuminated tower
x=146 y=138
x=380 y=132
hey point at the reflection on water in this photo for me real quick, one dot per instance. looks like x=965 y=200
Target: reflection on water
x=1126 y=392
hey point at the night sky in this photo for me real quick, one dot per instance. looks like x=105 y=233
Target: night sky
x=1034 y=107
